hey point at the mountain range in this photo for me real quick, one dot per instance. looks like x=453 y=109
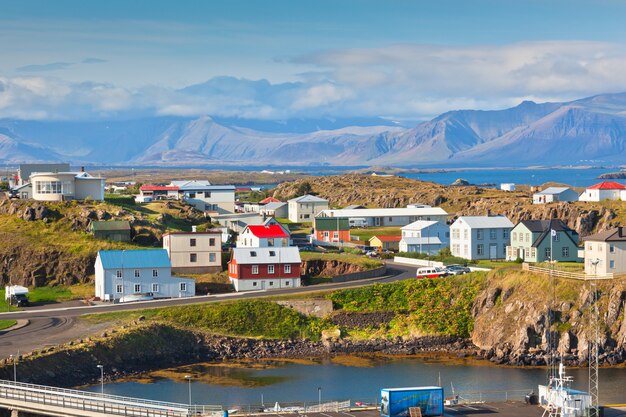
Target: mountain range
x=581 y=132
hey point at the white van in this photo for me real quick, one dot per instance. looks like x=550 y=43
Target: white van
x=357 y=222
x=430 y=272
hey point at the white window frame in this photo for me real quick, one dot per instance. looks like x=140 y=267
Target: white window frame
x=182 y=287
x=137 y=273
x=480 y=249
x=136 y=288
x=118 y=273
x=270 y=269
x=287 y=269
x=255 y=269
x=155 y=273
x=155 y=287
x=119 y=288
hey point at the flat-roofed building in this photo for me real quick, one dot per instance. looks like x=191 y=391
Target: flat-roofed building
x=194 y=252
x=376 y=217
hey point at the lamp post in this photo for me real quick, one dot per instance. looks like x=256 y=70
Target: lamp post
x=101 y=378
x=14 y=359
x=188 y=378
x=319 y=398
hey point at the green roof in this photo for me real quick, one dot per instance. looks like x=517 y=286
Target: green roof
x=330 y=223
x=99 y=226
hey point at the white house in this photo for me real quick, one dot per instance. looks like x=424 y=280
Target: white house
x=207 y=197
x=263 y=236
x=554 y=194
x=390 y=216
x=305 y=208
x=606 y=190
x=425 y=236
x=124 y=274
x=26 y=170
x=275 y=209
x=264 y=268
x=480 y=237
x=507 y=186
x=605 y=252
x=61 y=186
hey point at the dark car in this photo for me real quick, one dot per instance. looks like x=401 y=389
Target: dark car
x=20 y=300
x=457 y=269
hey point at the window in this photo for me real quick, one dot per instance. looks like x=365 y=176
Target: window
x=287 y=269
x=192 y=242
x=137 y=288
x=493 y=234
x=447 y=234
x=547 y=253
x=255 y=269
x=155 y=287
x=155 y=273
x=254 y=283
x=505 y=233
x=479 y=234
x=118 y=273
x=465 y=250
x=272 y=253
x=335 y=235
x=270 y=269
x=207 y=194
x=193 y=257
x=455 y=234
x=565 y=252
x=514 y=236
x=612 y=248
x=504 y=248
x=306 y=216
x=390 y=219
x=612 y=264
x=212 y=241
x=533 y=252
x=465 y=234
x=191 y=195
x=211 y=257
x=527 y=237
x=137 y=273
x=270 y=242
x=271 y=283
x=557 y=236
x=252 y=253
x=183 y=287
x=480 y=249
x=589 y=247
x=119 y=288
x=286 y=283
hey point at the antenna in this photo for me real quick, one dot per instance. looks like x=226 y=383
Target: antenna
x=594 y=334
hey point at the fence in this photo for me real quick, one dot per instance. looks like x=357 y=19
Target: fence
x=416 y=262
x=566 y=274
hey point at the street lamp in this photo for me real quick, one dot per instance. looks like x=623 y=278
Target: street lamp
x=188 y=378
x=14 y=359
x=101 y=378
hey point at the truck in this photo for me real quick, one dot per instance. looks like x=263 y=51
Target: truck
x=396 y=402
x=16 y=295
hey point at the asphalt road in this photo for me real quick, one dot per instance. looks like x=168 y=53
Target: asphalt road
x=50 y=325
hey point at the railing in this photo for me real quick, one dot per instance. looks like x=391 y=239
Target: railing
x=468 y=397
x=289 y=407
x=100 y=403
x=567 y=274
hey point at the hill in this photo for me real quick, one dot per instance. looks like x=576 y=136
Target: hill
x=581 y=132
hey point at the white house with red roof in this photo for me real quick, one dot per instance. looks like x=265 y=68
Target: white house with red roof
x=149 y=192
x=606 y=190
x=263 y=236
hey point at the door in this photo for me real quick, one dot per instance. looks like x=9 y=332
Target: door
x=493 y=251
x=377 y=221
x=326 y=236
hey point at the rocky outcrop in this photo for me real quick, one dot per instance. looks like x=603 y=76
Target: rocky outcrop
x=323 y=268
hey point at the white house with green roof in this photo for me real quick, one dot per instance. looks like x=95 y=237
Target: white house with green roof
x=530 y=241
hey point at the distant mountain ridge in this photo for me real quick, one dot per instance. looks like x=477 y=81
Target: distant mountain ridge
x=584 y=131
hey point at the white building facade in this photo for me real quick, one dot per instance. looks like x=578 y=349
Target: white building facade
x=206 y=197
x=554 y=194
x=607 y=190
x=194 y=252
x=425 y=236
x=305 y=208
x=61 y=186
x=605 y=252
x=390 y=216
x=480 y=237
x=121 y=274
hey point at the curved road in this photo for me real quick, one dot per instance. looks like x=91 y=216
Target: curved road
x=52 y=326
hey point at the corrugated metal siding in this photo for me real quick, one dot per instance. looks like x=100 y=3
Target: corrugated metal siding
x=148 y=258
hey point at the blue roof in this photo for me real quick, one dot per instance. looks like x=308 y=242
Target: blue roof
x=142 y=258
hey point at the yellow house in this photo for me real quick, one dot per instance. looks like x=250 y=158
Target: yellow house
x=386 y=242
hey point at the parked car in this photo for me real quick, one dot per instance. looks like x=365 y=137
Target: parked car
x=366 y=249
x=372 y=253
x=305 y=248
x=430 y=272
x=457 y=269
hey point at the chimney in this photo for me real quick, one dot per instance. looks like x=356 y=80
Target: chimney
x=488 y=212
x=620 y=231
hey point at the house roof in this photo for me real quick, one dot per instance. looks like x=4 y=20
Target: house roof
x=545 y=225
x=431 y=240
x=151 y=187
x=387 y=238
x=419 y=225
x=485 y=222
x=199 y=187
x=282 y=255
x=180 y=183
x=309 y=199
x=110 y=225
x=385 y=212
x=269 y=200
x=616 y=234
x=554 y=190
x=273 y=205
x=607 y=185
x=354 y=207
x=267 y=231
x=330 y=223
x=141 y=258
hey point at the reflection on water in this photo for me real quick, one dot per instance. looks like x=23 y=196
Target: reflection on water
x=341 y=378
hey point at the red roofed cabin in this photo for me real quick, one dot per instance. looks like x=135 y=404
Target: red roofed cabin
x=263 y=236
x=264 y=268
x=148 y=192
x=606 y=190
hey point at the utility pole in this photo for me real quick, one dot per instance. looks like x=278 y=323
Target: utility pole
x=594 y=335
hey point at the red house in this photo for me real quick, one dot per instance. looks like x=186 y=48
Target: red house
x=331 y=229
x=264 y=268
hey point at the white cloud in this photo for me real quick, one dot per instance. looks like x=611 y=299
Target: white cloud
x=404 y=81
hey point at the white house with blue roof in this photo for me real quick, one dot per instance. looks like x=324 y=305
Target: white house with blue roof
x=207 y=197
x=125 y=275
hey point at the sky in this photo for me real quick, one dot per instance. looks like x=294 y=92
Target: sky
x=404 y=60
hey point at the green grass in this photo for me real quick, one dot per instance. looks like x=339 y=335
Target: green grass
x=360 y=260
x=5 y=324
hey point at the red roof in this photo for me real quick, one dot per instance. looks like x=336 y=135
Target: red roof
x=389 y=238
x=607 y=185
x=268 y=231
x=150 y=187
x=269 y=200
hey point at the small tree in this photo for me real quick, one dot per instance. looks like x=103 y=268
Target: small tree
x=304 y=188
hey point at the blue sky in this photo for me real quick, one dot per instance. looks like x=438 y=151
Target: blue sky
x=397 y=59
